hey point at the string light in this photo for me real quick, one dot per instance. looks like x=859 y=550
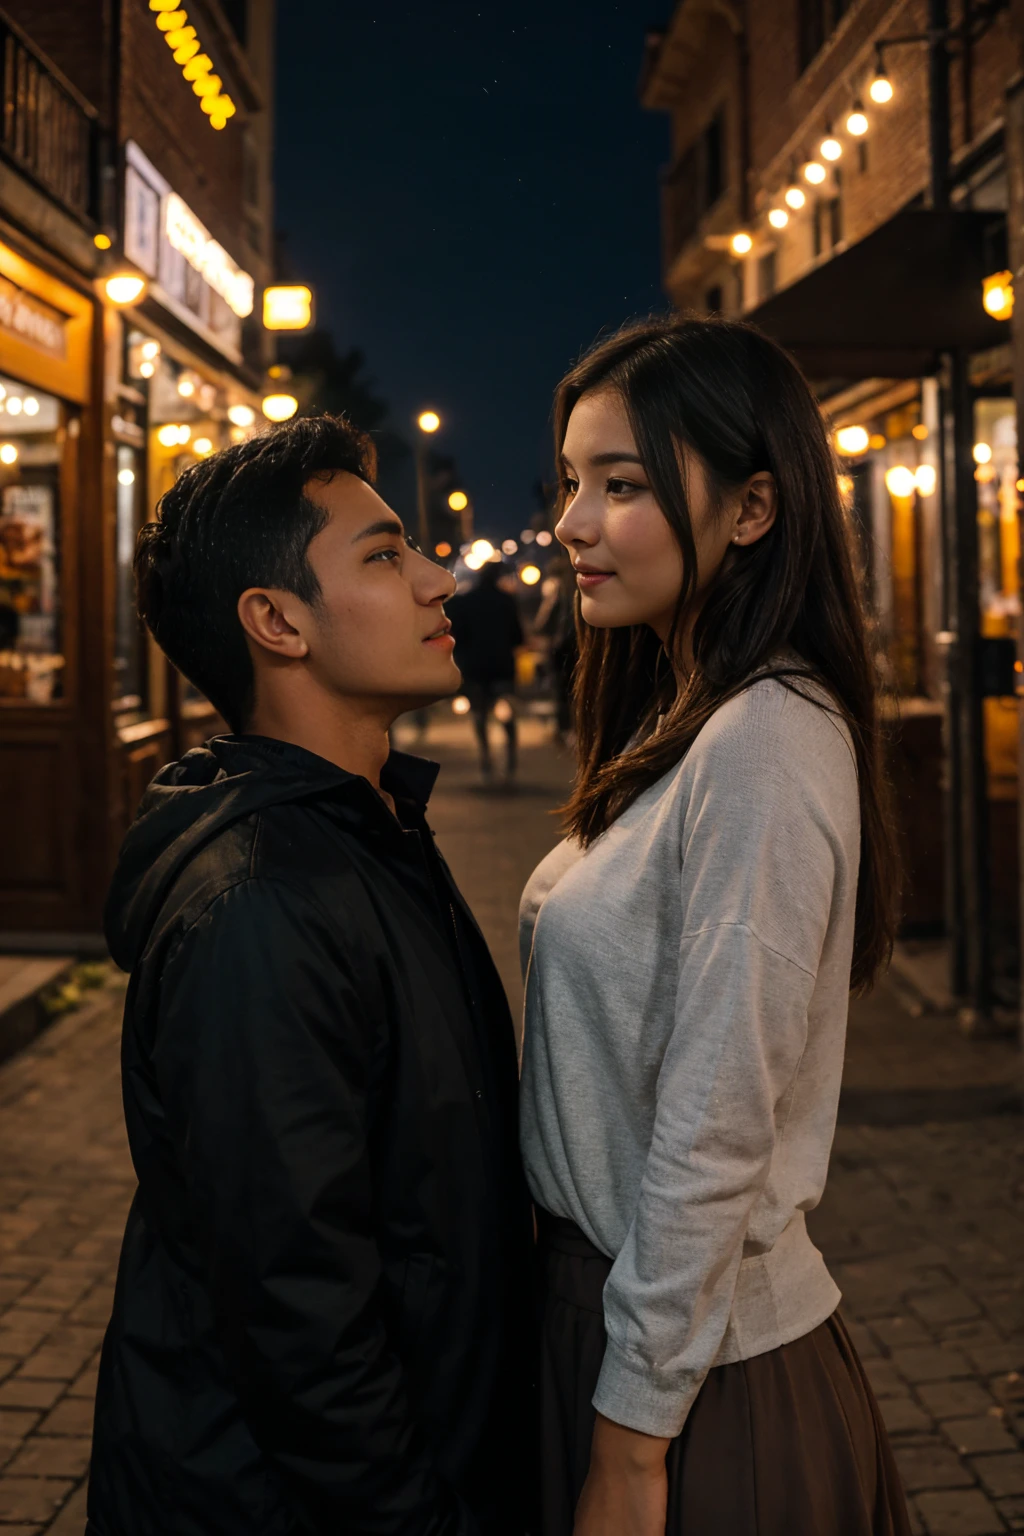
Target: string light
x=852 y=440
x=195 y=66
x=880 y=90
x=830 y=148
x=795 y=196
x=778 y=218
x=741 y=243
x=814 y=172
x=900 y=481
x=857 y=124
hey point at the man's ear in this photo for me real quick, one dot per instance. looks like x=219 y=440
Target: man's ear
x=263 y=613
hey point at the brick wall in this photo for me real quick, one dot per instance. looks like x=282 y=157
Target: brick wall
x=161 y=113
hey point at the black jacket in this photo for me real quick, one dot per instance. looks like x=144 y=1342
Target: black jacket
x=322 y=1320
x=487 y=632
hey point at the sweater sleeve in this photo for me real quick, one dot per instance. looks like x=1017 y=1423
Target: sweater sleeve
x=758 y=867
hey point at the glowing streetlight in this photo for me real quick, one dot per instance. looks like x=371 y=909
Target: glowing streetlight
x=124 y=287
x=428 y=421
x=458 y=501
x=529 y=575
x=482 y=549
x=241 y=415
x=982 y=453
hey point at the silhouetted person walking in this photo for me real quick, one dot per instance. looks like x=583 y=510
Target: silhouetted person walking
x=485 y=623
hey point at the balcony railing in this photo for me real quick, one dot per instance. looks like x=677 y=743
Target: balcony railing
x=49 y=130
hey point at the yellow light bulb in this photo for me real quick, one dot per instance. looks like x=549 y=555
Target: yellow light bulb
x=796 y=197
x=830 y=149
x=982 y=453
x=778 y=218
x=900 y=481
x=102 y=242
x=203 y=446
x=857 y=123
x=852 y=440
x=814 y=172
x=280 y=407
x=241 y=415
x=170 y=21
x=442 y=550
x=124 y=287
x=167 y=436
x=428 y=421
x=926 y=479
x=741 y=243
x=880 y=90
x=529 y=575
x=483 y=549
x=8 y=454
x=458 y=501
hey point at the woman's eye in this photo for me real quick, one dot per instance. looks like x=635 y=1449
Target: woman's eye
x=618 y=487
x=569 y=487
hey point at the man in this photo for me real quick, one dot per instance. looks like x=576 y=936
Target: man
x=485 y=623
x=321 y=1322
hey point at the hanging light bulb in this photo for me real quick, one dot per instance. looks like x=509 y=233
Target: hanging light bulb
x=880 y=90
x=778 y=218
x=741 y=243
x=795 y=196
x=815 y=172
x=830 y=147
x=857 y=123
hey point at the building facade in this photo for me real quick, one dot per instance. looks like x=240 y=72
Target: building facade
x=135 y=242
x=847 y=174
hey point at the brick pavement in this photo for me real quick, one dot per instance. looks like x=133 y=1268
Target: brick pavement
x=921 y=1221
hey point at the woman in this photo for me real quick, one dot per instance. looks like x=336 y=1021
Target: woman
x=691 y=950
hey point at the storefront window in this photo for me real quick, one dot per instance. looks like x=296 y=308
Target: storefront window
x=32 y=431
x=995 y=474
x=129 y=640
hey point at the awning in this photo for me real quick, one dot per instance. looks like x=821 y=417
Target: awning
x=890 y=304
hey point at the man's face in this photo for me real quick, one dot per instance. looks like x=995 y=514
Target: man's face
x=380 y=631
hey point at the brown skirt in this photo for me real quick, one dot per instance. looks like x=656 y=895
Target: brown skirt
x=789 y=1443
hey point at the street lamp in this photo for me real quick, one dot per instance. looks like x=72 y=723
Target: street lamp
x=428 y=423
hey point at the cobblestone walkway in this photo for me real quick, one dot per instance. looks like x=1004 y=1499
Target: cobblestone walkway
x=921 y=1222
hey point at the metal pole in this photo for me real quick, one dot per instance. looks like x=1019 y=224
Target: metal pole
x=423 y=531
x=952 y=785
x=938 y=102
x=967 y=662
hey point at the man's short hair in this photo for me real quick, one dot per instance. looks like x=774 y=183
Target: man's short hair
x=236 y=520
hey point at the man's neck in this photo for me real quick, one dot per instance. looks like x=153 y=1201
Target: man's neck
x=354 y=738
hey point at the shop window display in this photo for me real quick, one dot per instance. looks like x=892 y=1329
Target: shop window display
x=32 y=431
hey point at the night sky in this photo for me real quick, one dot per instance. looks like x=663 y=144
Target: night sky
x=473 y=195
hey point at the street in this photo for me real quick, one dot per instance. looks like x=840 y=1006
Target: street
x=921 y=1221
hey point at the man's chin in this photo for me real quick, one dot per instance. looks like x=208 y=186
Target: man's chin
x=422 y=695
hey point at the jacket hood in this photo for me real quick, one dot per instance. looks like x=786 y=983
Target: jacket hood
x=188 y=803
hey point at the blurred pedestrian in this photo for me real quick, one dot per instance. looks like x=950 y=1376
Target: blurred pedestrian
x=556 y=622
x=487 y=630
x=691 y=949
x=319 y=1324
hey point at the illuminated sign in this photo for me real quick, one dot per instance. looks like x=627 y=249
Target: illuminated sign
x=31 y=320
x=287 y=309
x=196 y=66
x=201 y=251
x=191 y=274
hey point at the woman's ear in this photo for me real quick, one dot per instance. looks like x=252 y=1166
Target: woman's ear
x=261 y=613
x=758 y=509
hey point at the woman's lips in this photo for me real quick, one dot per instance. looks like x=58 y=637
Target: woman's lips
x=588 y=580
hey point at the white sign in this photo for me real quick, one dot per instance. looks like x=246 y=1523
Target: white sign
x=193 y=276
x=201 y=251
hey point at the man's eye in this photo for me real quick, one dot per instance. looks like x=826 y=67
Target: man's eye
x=383 y=554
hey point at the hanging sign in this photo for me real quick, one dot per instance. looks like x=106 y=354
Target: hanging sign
x=31 y=320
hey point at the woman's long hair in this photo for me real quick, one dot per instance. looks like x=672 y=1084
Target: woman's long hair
x=723 y=392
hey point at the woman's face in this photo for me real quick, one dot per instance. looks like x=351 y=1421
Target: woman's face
x=629 y=566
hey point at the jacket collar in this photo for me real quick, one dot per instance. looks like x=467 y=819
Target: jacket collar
x=407 y=779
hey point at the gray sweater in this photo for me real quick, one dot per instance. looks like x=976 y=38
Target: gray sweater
x=687 y=989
